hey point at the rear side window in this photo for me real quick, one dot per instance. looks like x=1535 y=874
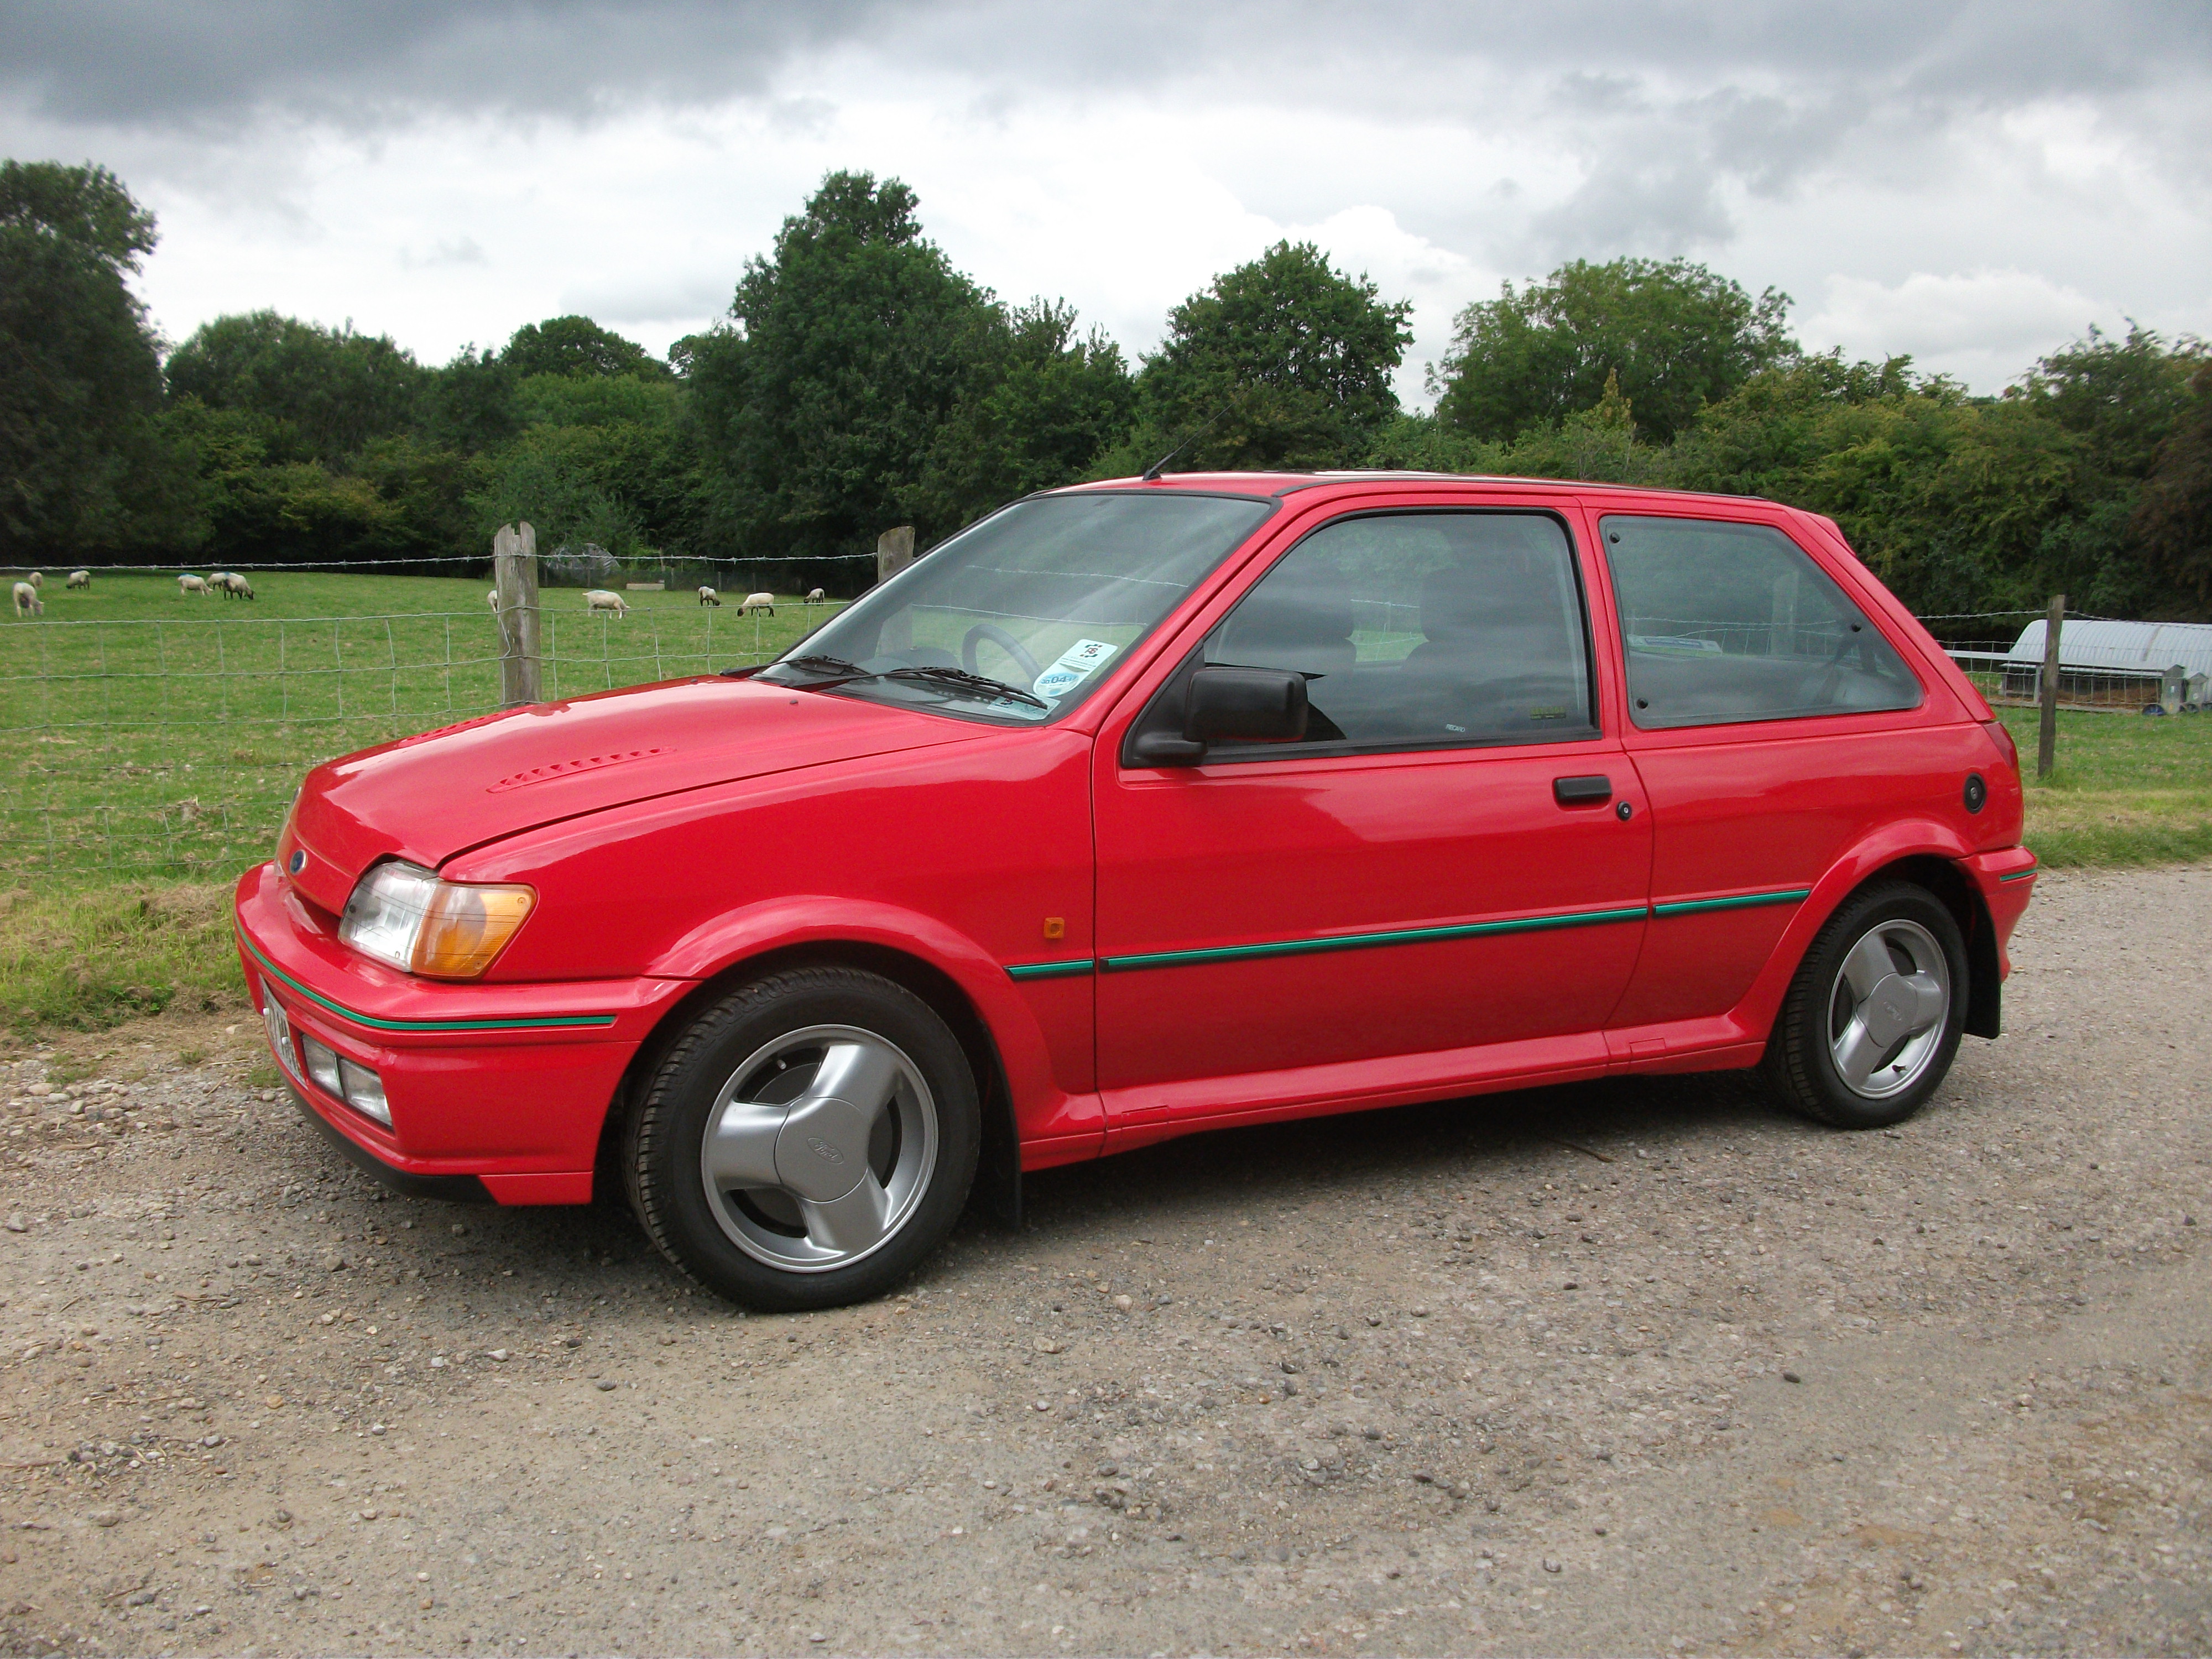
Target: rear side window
x=1424 y=630
x=1728 y=623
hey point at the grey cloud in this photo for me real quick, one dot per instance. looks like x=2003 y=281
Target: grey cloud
x=176 y=62
x=152 y=61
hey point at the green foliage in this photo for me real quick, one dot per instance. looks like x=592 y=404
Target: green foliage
x=2173 y=517
x=320 y=393
x=1035 y=417
x=577 y=345
x=84 y=471
x=852 y=345
x=1282 y=362
x=1676 y=336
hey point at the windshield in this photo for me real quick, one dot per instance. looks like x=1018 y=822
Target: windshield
x=1017 y=618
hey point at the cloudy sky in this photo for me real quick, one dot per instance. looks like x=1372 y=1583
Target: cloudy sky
x=1971 y=183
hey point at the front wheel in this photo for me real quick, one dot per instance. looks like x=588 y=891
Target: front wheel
x=1872 y=1019
x=807 y=1141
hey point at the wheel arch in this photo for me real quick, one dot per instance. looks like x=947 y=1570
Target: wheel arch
x=998 y=1188
x=1964 y=900
x=1922 y=853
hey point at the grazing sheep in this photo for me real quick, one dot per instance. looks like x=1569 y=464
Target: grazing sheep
x=37 y=579
x=757 y=602
x=708 y=596
x=192 y=584
x=599 y=598
x=80 y=579
x=28 y=601
x=815 y=595
x=235 y=586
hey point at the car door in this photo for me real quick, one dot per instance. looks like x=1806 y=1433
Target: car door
x=1445 y=880
x=1774 y=725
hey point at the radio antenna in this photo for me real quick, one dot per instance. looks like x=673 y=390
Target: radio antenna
x=1150 y=474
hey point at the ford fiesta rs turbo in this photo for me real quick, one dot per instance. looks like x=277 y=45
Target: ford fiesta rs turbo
x=1143 y=808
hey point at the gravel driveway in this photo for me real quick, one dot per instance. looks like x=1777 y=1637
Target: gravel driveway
x=1620 y=1367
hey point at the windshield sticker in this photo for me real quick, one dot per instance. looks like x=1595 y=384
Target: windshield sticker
x=1076 y=665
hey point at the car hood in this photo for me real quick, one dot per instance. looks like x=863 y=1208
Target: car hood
x=428 y=798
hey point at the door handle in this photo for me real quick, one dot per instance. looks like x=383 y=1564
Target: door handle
x=1582 y=792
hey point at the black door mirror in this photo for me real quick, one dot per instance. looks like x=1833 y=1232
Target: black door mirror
x=1248 y=705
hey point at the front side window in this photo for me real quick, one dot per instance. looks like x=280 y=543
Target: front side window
x=1423 y=629
x=1728 y=622
x=1021 y=617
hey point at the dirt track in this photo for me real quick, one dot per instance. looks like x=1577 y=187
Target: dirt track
x=1643 y=1367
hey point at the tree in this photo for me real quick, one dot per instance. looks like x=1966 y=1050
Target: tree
x=1676 y=336
x=325 y=393
x=847 y=349
x=577 y=345
x=84 y=467
x=2173 y=519
x=1282 y=362
x=1033 y=418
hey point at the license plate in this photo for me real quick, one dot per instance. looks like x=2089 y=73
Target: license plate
x=280 y=1034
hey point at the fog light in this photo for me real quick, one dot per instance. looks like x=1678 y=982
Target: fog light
x=323 y=1066
x=346 y=1079
x=364 y=1091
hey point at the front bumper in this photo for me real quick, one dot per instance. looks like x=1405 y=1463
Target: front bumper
x=494 y=1088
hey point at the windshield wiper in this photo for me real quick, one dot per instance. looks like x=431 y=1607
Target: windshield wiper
x=822 y=663
x=836 y=672
x=959 y=679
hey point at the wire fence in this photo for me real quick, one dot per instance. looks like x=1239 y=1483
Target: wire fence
x=175 y=746
x=157 y=736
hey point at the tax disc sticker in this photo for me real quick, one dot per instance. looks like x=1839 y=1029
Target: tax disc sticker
x=1076 y=665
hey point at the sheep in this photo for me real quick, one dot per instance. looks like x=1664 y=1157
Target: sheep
x=599 y=598
x=37 y=578
x=80 y=579
x=757 y=602
x=815 y=595
x=492 y=599
x=28 y=601
x=708 y=596
x=235 y=586
x=192 y=584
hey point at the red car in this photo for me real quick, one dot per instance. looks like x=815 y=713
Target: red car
x=1143 y=808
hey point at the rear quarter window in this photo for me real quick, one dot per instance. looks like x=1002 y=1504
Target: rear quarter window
x=1722 y=624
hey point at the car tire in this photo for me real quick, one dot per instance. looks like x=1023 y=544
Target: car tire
x=781 y=1095
x=1872 y=1021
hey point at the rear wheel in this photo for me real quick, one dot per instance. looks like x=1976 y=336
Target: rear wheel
x=807 y=1141
x=1872 y=1019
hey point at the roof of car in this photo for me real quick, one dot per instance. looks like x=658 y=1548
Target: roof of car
x=1279 y=484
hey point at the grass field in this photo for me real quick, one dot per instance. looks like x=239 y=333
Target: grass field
x=162 y=735
x=158 y=740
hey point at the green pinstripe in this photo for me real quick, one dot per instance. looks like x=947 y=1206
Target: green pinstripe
x=1740 y=901
x=1301 y=947
x=1049 y=969
x=551 y=1022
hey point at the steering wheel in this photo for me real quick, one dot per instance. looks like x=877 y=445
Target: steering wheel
x=1006 y=641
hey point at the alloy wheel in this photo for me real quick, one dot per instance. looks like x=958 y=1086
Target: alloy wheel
x=818 y=1148
x=1888 y=1009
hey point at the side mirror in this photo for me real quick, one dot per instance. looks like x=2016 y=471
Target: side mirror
x=1248 y=705
x=1252 y=705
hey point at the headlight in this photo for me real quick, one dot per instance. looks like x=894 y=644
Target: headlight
x=404 y=915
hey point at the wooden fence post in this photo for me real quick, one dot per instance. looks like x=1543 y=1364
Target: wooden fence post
x=515 y=572
x=894 y=551
x=2046 y=741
